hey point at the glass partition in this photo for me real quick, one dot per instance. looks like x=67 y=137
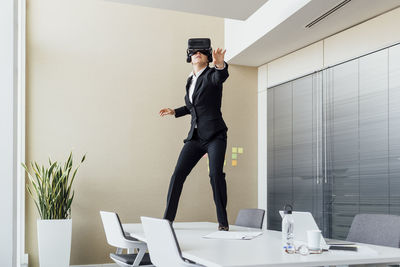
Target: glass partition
x=334 y=142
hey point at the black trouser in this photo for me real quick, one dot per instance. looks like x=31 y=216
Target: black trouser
x=191 y=153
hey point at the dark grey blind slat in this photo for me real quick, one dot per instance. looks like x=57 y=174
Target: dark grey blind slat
x=303 y=179
x=373 y=101
x=283 y=152
x=273 y=219
x=343 y=139
x=394 y=129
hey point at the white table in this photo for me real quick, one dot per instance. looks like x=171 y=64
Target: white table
x=264 y=250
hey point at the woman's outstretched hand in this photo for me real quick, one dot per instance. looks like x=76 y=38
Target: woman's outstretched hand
x=166 y=111
x=218 y=57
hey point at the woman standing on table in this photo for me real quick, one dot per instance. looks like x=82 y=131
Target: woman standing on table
x=208 y=130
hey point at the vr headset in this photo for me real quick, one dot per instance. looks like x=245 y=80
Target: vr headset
x=202 y=45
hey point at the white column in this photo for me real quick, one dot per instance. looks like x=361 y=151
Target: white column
x=262 y=140
x=8 y=142
x=22 y=258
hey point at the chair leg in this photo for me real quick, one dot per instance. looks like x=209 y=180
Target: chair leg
x=119 y=251
x=139 y=257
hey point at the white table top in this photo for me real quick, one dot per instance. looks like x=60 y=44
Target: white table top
x=264 y=250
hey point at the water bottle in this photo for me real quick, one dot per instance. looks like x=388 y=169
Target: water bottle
x=287 y=230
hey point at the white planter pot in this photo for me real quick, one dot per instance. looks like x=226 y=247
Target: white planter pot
x=54 y=240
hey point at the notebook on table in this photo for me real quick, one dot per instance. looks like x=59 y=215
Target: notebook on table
x=236 y=235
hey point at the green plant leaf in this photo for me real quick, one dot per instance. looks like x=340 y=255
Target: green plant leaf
x=50 y=187
x=83 y=158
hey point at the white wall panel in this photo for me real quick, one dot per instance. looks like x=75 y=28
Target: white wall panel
x=8 y=131
x=369 y=36
x=262 y=152
x=262 y=78
x=296 y=64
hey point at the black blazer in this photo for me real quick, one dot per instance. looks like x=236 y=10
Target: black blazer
x=206 y=106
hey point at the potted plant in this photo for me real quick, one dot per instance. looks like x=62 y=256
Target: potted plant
x=50 y=188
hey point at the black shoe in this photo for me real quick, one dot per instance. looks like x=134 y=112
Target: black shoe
x=223 y=228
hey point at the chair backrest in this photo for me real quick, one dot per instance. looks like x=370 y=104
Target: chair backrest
x=252 y=218
x=376 y=229
x=162 y=243
x=113 y=229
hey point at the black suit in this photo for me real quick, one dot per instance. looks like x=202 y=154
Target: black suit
x=209 y=137
x=206 y=106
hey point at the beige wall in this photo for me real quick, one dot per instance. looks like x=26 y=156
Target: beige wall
x=98 y=73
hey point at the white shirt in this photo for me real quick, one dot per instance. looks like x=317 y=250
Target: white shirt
x=193 y=84
x=194 y=80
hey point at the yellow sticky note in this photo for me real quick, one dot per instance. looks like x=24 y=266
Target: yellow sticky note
x=240 y=150
x=234 y=149
x=234 y=162
x=234 y=156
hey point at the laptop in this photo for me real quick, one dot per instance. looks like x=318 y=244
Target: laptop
x=304 y=221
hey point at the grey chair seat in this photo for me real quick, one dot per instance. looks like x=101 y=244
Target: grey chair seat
x=375 y=229
x=252 y=218
x=130 y=258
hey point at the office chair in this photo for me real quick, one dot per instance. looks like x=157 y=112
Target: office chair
x=252 y=218
x=163 y=245
x=116 y=237
x=376 y=229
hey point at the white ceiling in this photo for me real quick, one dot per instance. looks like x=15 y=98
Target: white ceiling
x=291 y=34
x=233 y=9
x=287 y=36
